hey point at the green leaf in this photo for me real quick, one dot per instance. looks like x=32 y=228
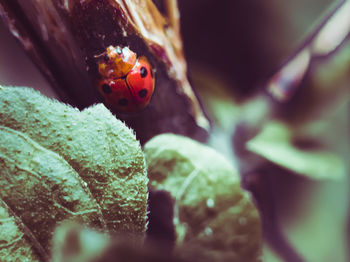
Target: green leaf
x=274 y=143
x=100 y=148
x=213 y=215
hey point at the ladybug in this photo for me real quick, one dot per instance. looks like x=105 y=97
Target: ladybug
x=127 y=82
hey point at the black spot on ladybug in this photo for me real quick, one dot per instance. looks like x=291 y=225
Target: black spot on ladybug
x=106 y=58
x=106 y=89
x=123 y=102
x=143 y=72
x=143 y=93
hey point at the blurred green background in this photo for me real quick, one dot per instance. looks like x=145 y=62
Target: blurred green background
x=233 y=47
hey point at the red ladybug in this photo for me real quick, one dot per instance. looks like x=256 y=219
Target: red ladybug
x=127 y=82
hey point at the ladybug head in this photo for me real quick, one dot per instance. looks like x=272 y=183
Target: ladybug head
x=116 y=62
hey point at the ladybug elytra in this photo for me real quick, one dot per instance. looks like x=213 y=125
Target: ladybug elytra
x=127 y=82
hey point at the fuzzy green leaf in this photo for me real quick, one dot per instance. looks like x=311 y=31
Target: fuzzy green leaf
x=100 y=148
